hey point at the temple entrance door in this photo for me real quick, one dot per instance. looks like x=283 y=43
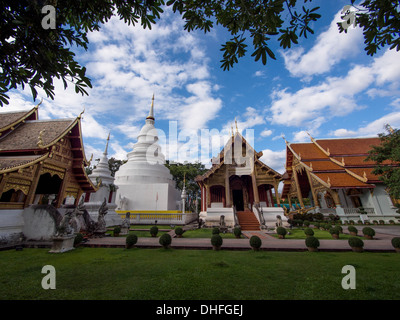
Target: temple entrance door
x=238 y=199
x=47 y=188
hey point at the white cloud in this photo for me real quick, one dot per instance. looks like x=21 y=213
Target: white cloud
x=274 y=159
x=335 y=96
x=266 y=133
x=330 y=48
x=371 y=129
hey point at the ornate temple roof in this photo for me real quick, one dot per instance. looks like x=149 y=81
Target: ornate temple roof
x=337 y=163
x=25 y=140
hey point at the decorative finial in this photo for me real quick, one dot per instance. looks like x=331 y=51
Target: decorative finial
x=232 y=130
x=40 y=142
x=108 y=139
x=83 y=111
x=151 y=113
x=236 y=125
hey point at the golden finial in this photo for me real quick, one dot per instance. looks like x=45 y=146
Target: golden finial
x=108 y=139
x=232 y=130
x=83 y=111
x=40 y=142
x=391 y=130
x=236 y=125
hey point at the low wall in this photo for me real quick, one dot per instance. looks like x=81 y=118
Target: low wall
x=162 y=217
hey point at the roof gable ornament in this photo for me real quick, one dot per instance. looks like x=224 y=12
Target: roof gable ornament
x=40 y=139
x=326 y=152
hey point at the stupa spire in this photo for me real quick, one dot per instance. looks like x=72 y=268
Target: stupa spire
x=106 y=149
x=151 y=113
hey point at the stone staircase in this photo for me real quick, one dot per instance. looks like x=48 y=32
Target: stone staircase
x=248 y=220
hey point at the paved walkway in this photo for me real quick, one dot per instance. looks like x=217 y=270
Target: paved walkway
x=380 y=243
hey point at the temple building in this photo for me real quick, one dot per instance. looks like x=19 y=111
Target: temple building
x=334 y=175
x=146 y=188
x=239 y=187
x=41 y=162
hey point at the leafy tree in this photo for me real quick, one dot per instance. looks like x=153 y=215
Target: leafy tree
x=32 y=55
x=188 y=172
x=387 y=158
x=114 y=164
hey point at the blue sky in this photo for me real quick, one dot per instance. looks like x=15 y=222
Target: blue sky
x=326 y=85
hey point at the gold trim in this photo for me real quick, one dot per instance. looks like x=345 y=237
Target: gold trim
x=28 y=164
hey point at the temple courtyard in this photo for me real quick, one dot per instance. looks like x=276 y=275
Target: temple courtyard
x=283 y=269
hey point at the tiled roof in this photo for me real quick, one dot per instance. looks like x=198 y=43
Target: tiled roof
x=14 y=162
x=26 y=137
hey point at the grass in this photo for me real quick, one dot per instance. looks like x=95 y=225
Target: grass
x=160 y=274
x=298 y=233
x=206 y=233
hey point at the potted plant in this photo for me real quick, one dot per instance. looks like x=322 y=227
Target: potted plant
x=154 y=231
x=356 y=244
x=179 y=232
x=216 y=241
x=368 y=232
x=237 y=232
x=396 y=244
x=308 y=232
x=316 y=225
x=312 y=243
x=165 y=240
x=255 y=243
x=281 y=231
x=334 y=232
x=306 y=223
x=131 y=240
x=117 y=231
x=353 y=230
x=215 y=230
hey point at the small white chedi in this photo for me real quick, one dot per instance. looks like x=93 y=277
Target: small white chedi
x=102 y=177
x=144 y=183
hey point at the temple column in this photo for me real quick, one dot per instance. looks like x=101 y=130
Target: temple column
x=336 y=199
x=208 y=197
x=299 y=195
x=61 y=191
x=314 y=194
x=228 y=203
x=278 y=198
x=31 y=194
x=272 y=197
x=255 y=189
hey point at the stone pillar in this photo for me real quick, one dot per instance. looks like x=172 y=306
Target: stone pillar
x=296 y=179
x=278 y=198
x=228 y=203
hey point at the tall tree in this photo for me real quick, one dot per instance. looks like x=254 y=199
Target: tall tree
x=187 y=172
x=387 y=158
x=33 y=53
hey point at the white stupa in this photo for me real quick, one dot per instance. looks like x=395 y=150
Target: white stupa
x=144 y=183
x=102 y=175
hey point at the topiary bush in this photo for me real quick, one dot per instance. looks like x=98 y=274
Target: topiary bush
x=316 y=225
x=281 y=231
x=216 y=241
x=334 y=231
x=312 y=243
x=237 y=232
x=308 y=232
x=396 y=243
x=131 y=240
x=306 y=223
x=165 y=240
x=368 y=232
x=353 y=230
x=356 y=244
x=179 y=232
x=215 y=230
x=117 y=231
x=255 y=242
x=154 y=231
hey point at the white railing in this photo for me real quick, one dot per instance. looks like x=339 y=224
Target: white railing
x=161 y=218
x=356 y=211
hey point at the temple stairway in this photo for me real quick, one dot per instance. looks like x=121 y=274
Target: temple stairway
x=248 y=220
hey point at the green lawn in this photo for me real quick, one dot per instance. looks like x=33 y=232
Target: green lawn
x=206 y=233
x=144 y=274
x=298 y=233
